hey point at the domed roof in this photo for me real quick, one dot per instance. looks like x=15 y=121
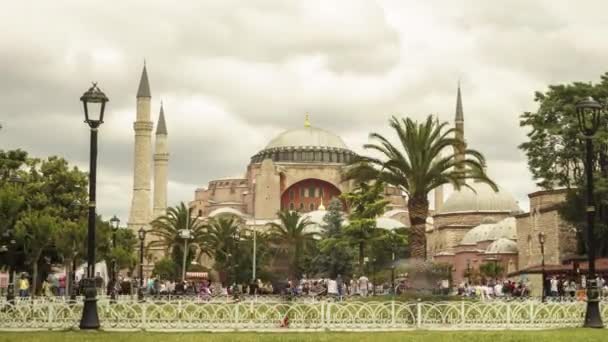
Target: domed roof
x=502 y=246
x=316 y=217
x=307 y=137
x=226 y=211
x=483 y=199
x=479 y=233
x=503 y=229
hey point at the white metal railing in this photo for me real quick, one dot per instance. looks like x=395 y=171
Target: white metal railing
x=267 y=315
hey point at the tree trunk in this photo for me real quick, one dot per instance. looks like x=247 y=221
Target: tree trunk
x=361 y=257
x=34 y=277
x=418 y=208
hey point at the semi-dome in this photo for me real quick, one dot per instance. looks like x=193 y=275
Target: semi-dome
x=307 y=137
x=482 y=198
x=502 y=246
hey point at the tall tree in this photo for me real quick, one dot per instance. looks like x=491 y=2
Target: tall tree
x=556 y=153
x=423 y=160
x=218 y=242
x=292 y=239
x=336 y=253
x=366 y=203
x=34 y=231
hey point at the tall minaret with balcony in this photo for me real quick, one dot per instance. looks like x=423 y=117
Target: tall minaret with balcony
x=141 y=206
x=161 y=163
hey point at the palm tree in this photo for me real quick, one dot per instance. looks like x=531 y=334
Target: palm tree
x=217 y=241
x=167 y=229
x=292 y=238
x=424 y=161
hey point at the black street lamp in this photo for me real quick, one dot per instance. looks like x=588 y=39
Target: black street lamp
x=588 y=113
x=142 y=237
x=17 y=182
x=114 y=223
x=92 y=100
x=541 y=241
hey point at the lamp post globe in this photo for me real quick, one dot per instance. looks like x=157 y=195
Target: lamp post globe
x=93 y=98
x=589 y=113
x=141 y=234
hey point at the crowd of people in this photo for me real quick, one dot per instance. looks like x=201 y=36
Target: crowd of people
x=495 y=289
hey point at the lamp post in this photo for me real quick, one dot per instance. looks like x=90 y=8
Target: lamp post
x=114 y=223
x=186 y=235
x=393 y=263
x=588 y=114
x=236 y=236
x=92 y=98
x=17 y=182
x=541 y=241
x=141 y=234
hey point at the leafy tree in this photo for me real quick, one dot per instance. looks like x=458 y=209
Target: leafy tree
x=366 y=203
x=423 y=161
x=336 y=253
x=292 y=239
x=556 y=152
x=491 y=270
x=165 y=268
x=33 y=233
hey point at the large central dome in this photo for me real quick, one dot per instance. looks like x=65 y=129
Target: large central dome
x=306 y=145
x=307 y=137
x=482 y=198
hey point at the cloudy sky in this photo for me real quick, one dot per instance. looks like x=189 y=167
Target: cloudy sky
x=232 y=74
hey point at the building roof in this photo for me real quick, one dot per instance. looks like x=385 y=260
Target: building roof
x=478 y=233
x=504 y=229
x=502 y=246
x=307 y=137
x=316 y=217
x=161 y=127
x=226 y=211
x=482 y=198
x=144 y=85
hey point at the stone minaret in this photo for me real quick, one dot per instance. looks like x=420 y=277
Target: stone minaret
x=141 y=206
x=161 y=162
x=459 y=123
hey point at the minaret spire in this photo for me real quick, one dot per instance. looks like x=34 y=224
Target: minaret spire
x=459 y=111
x=144 y=85
x=459 y=124
x=161 y=164
x=306 y=121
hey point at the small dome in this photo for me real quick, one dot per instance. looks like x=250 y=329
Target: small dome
x=483 y=199
x=307 y=137
x=316 y=217
x=478 y=233
x=388 y=223
x=502 y=246
x=503 y=229
x=226 y=211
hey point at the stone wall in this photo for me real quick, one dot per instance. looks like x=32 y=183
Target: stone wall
x=560 y=239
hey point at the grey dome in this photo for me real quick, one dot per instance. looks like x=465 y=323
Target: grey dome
x=483 y=199
x=478 y=233
x=504 y=229
x=307 y=137
x=502 y=246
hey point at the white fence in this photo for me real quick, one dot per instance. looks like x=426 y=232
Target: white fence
x=269 y=315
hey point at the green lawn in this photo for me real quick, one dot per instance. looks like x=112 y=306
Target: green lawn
x=566 y=335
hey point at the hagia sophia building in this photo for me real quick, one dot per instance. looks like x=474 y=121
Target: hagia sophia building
x=300 y=169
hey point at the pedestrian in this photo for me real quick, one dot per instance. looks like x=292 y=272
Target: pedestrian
x=24 y=286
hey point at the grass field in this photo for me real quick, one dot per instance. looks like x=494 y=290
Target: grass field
x=565 y=335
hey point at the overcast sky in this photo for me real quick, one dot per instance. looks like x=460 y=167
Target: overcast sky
x=232 y=74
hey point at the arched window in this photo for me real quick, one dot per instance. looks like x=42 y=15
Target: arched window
x=291 y=206
x=312 y=207
x=200 y=212
x=301 y=206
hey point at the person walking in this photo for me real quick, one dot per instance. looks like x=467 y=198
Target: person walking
x=24 y=286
